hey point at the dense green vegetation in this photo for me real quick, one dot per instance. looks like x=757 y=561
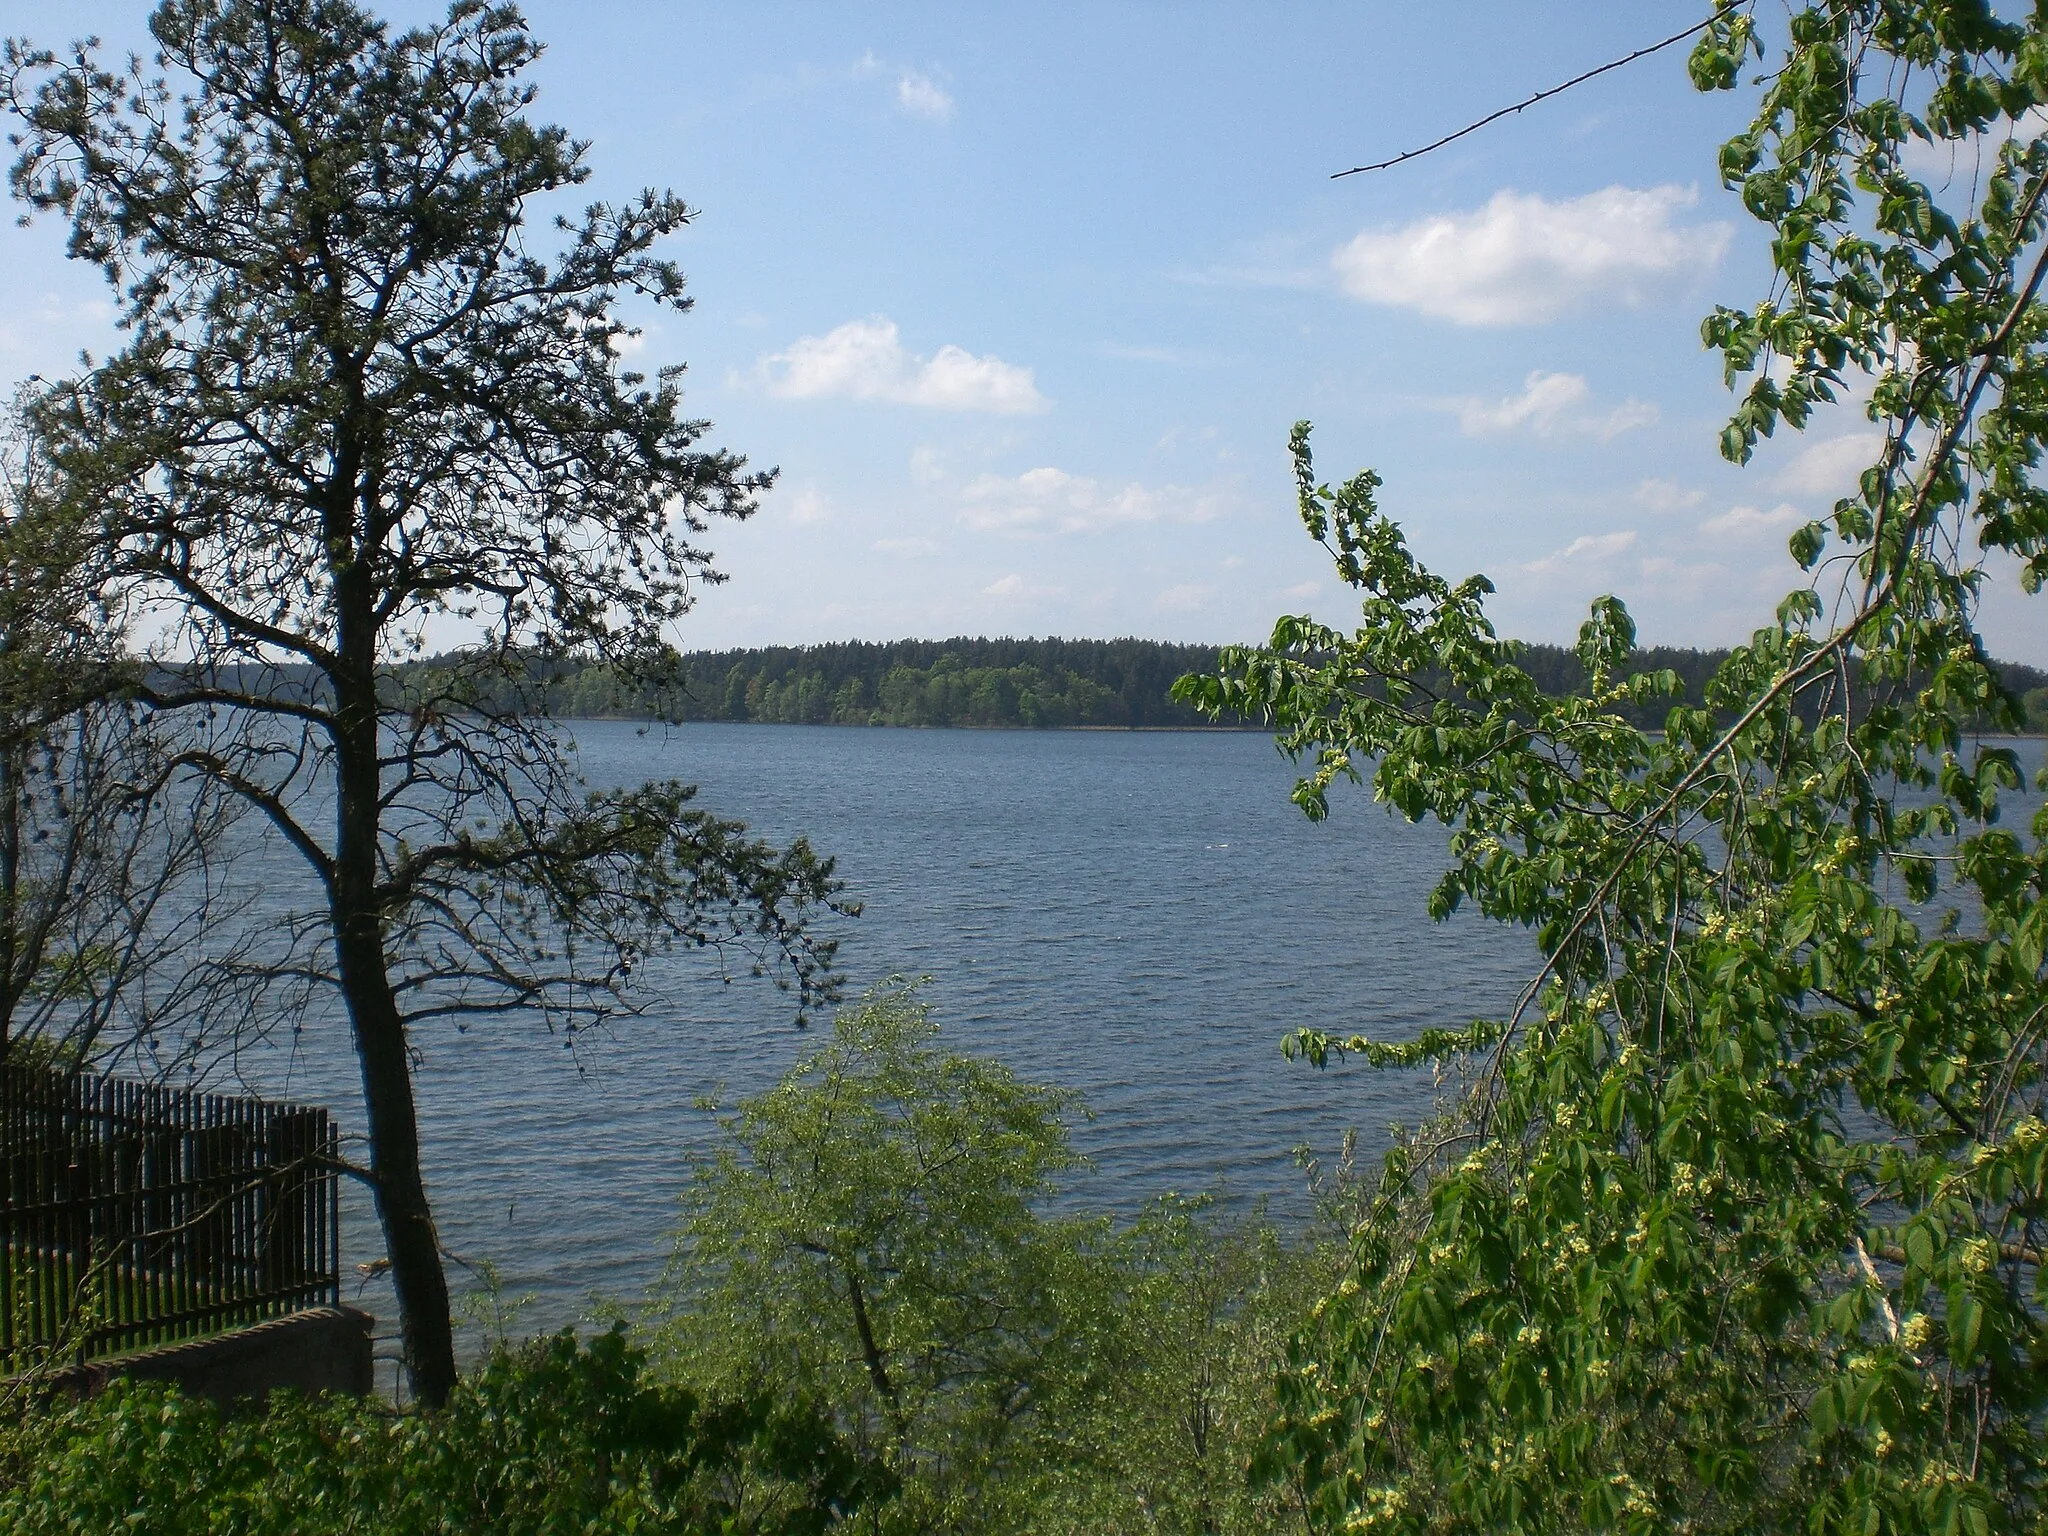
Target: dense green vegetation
x=981 y=682
x=878 y=1234
x=554 y=1436
x=878 y=1317
x=1743 y=1224
x=1031 y=683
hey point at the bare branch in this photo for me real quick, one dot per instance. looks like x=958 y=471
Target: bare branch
x=1542 y=95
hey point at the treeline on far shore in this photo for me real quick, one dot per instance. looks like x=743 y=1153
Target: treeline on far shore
x=1031 y=684
x=973 y=682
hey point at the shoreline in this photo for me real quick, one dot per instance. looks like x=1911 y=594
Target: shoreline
x=871 y=725
x=1132 y=730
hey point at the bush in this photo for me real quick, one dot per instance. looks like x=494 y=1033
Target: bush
x=880 y=1232
x=555 y=1436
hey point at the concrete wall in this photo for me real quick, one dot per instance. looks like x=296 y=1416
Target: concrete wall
x=323 y=1349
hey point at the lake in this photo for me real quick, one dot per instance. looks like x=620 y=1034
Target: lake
x=1140 y=916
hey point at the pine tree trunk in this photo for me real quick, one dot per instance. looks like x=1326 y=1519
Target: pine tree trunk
x=382 y=1052
x=410 y=1238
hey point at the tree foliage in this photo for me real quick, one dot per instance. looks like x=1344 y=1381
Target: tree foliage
x=353 y=404
x=876 y=1236
x=1741 y=1227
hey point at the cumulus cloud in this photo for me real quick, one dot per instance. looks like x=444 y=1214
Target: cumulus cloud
x=866 y=360
x=1747 y=522
x=917 y=93
x=808 y=506
x=1049 y=500
x=1188 y=597
x=1587 y=549
x=1550 y=404
x=1949 y=160
x=922 y=96
x=1655 y=495
x=1830 y=467
x=1014 y=588
x=1525 y=260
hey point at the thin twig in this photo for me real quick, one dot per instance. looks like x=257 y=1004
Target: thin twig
x=1543 y=95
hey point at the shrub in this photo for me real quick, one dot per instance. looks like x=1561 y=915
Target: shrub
x=555 y=1436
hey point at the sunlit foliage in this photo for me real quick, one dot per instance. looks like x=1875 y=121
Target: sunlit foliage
x=1741 y=1227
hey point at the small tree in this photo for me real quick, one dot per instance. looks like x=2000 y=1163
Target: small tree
x=875 y=1236
x=1745 y=1224
x=353 y=404
x=870 y=1236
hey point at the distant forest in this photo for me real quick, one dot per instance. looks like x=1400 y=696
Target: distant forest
x=1116 y=684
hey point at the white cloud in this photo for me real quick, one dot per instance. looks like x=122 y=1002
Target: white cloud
x=808 y=506
x=1745 y=522
x=1551 y=403
x=1655 y=495
x=1014 y=586
x=1544 y=399
x=906 y=546
x=955 y=379
x=1051 y=500
x=1587 y=549
x=1831 y=467
x=1950 y=160
x=921 y=96
x=1525 y=260
x=1188 y=597
x=31 y=327
x=1625 y=417
x=925 y=468
x=1301 y=592
x=866 y=360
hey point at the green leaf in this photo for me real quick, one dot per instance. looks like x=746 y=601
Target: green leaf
x=1965 y=1324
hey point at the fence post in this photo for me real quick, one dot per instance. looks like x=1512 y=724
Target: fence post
x=181 y=1212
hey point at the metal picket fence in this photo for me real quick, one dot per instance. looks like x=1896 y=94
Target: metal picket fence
x=136 y=1214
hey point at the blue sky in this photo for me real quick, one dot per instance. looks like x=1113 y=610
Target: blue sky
x=1023 y=300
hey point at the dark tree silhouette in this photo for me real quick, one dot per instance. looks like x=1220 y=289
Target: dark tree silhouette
x=107 y=852
x=353 y=404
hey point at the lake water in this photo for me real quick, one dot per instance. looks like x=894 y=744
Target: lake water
x=1138 y=916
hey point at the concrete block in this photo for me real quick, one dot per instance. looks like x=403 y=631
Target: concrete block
x=322 y=1349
